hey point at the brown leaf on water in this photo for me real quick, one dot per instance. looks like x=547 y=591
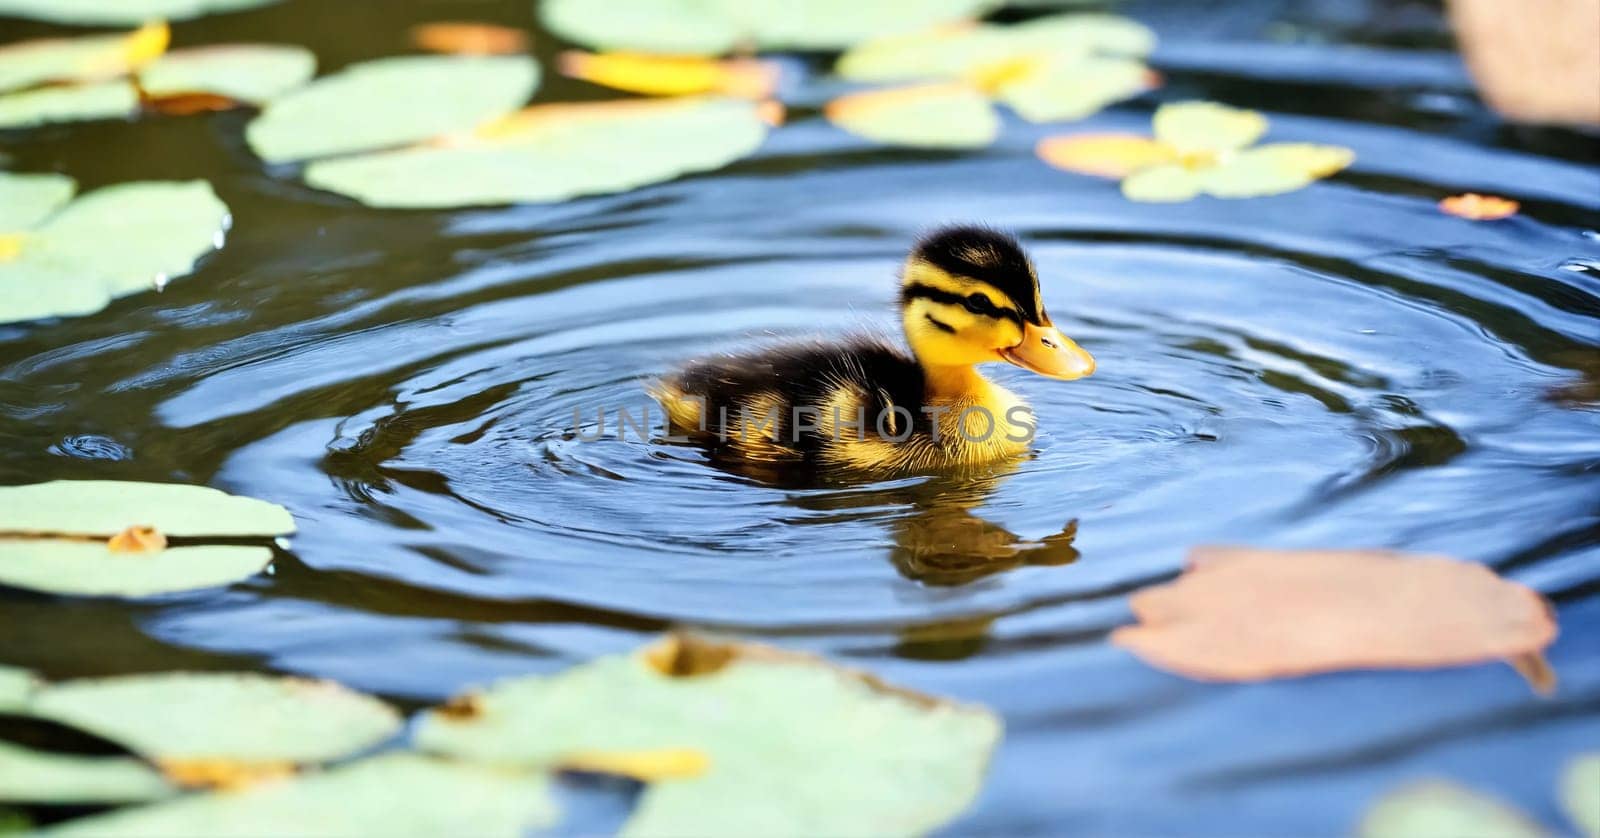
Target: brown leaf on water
x=1475 y=207
x=464 y=38
x=1244 y=614
x=185 y=104
x=138 y=539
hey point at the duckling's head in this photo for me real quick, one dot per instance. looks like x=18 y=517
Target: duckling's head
x=969 y=295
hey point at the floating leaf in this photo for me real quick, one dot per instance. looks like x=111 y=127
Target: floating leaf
x=461 y=38
x=240 y=717
x=119 y=12
x=794 y=746
x=26 y=200
x=16 y=685
x=83 y=59
x=1051 y=91
x=943 y=115
x=390 y=102
x=1273 y=169
x=56 y=537
x=110 y=243
x=253 y=73
x=971 y=52
x=1162 y=184
x=1475 y=207
x=1580 y=794
x=1433 y=809
x=1105 y=155
x=392 y=794
x=1241 y=614
x=713 y=27
x=28 y=776
x=1207 y=127
x=553 y=153
x=76 y=103
x=672 y=75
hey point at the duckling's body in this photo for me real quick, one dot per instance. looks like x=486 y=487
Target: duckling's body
x=968 y=296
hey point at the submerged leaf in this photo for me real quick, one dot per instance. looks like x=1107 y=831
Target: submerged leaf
x=1580 y=794
x=1475 y=207
x=1207 y=127
x=252 y=73
x=461 y=38
x=1104 y=155
x=554 y=153
x=241 y=717
x=672 y=75
x=390 y=102
x=110 y=243
x=120 y=12
x=794 y=746
x=943 y=115
x=84 y=59
x=28 y=776
x=1433 y=809
x=76 y=103
x=392 y=794
x=1241 y=614
x=713 y=27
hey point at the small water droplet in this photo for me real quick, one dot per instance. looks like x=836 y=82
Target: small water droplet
x=282 y=542
x=161 y=282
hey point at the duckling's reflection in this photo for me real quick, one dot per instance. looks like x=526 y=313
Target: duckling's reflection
x=941 y=541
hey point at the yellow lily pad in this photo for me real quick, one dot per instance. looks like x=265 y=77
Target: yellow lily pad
x=940 y=115
x=1207 y=127
x=82 y=59
x=714 y=27
x=793 y=746
x=1105 y=155
x=390 y=102
x=391 y=794
x=672 y=75
x=554 y=153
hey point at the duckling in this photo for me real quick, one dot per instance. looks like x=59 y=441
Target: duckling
x=968 y=295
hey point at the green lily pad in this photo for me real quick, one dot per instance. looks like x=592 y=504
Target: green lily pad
x=1057 y=90
x=553 y=153
x=235 y=717
x=253 y=73
x=390 y=102
x=77 y=103
x=1162 y=184
x=713 y=27
x=52 y=537
x=16 y=686
x=972 y=51
x=26 y=200
x=120 y=12
x=792 y=746
x=1207 y=127
x=1273 y=169
x=393 y=794
x=88 y=58
x=1432 y=809
x=1580 y=794
x=110 y=243
x=952 y=115
x=28 y=776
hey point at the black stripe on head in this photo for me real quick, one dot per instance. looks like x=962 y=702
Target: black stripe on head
x=988 y=256
x=983 y=308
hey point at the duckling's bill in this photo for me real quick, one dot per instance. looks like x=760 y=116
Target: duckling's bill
x=1044 y=350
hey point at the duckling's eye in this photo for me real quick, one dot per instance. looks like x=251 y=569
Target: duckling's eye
x=979 y=304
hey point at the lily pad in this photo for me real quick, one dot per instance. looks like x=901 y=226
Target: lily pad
x=974 y=51
x=252 y=73
x=59 y=537
x=235 y=717
x=390 y=102
x=26 y=200
x=82 y=59
x=943 y=115
x=1241 y=614
x=1057 y=90
x=1475 y=207
x=75 y=103
x=553 y=153
x=713 y=27
x=110 y=243
x=672 y=75
x=1432 y=809
x=791 y=745
x=393 y=794
x=120 y=12
x=467 y=38
x=16 y=686
x=1207 y=126
x=1580 y=794
x=28 y=776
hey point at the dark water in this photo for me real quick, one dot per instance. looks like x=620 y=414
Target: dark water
x=1343 y=366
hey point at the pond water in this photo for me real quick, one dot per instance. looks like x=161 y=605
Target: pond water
x=1342 y=366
